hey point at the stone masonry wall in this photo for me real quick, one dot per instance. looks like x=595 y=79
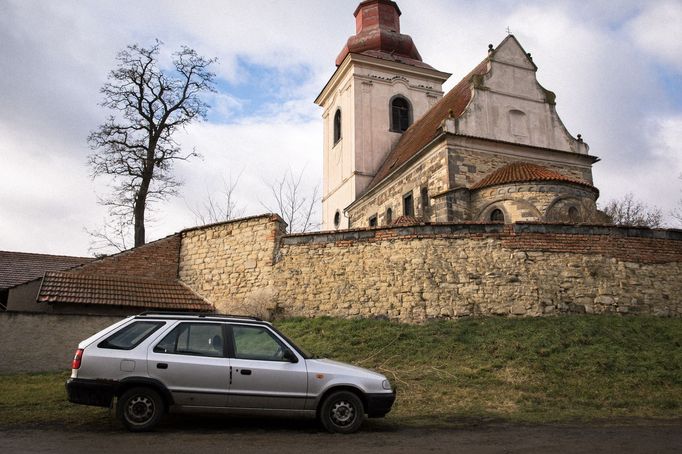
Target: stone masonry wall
x=414 y=273
x=449 y=270
x=230 y=264
x=430 y=171
x=468 y=166
x=528 y=202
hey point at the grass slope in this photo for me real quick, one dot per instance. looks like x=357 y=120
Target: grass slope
x=539 y=369
x=542 y=369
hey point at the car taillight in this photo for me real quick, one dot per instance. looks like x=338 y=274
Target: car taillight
x=76 y=363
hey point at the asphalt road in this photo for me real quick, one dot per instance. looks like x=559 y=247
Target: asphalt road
x=224 y=435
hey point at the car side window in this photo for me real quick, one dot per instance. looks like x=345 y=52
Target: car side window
x=254 y=342
x=130 y=336
x=198 y=339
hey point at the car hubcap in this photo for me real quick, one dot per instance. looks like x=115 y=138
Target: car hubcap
x=343 y=413
x=139 y=410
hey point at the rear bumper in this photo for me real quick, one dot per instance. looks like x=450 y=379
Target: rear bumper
x=90 y=392
x=379 y=404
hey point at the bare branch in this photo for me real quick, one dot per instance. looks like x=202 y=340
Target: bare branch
x=136 y=145
x=628 y=211
x=220 y=208
x=289 y=201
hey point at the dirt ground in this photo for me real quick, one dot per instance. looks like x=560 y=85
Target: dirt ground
x=225 y=435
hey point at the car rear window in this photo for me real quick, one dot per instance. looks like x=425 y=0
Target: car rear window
x=130 y=336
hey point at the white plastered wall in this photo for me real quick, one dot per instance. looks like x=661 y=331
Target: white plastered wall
x=510 y=105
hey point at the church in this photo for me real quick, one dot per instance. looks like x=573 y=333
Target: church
x=398 y=150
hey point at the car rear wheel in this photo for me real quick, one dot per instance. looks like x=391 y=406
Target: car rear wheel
x=140 y=409
x=342 y=412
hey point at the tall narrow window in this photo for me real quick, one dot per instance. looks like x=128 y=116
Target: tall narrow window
x=337 y=126
x=389 y=216
x=401 y=114
x=497 y=215
x=408 y=204
x=425 y=202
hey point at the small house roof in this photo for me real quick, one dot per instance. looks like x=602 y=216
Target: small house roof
x=20 y=267
x=76 y=288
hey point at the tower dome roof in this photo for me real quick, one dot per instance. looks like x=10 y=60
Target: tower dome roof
x=377 y=34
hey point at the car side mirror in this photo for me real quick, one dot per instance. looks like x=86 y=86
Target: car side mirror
x=288 y=355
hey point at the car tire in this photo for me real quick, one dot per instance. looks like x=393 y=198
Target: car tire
x=140 y=409
x=342 y=412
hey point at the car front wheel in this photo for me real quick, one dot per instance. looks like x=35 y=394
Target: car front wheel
x=140 y=409
x=342 y=412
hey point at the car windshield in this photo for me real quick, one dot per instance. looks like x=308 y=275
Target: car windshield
x=302 y=352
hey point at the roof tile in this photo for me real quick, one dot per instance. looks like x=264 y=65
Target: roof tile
x=119 y=291
x=20 y=267
x=522 y=172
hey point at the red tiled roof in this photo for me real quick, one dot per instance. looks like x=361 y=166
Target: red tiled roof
x=119 y=291
x=426 y=128
x=522 y=172
x=19 y=267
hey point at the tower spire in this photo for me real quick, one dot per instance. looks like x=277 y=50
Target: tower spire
x=377 y=34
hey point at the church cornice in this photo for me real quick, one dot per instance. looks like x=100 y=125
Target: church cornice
x=363 y=60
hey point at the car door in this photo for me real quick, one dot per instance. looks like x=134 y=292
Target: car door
x=191 y=361
x=261 y=377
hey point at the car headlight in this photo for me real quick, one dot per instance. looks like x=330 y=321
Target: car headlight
x=386 y=384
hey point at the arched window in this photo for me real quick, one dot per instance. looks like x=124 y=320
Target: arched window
x=337 y=126
x=573 y=214
x=337 y=219
x=401 y=114
x=389 y=216
x=496 y=215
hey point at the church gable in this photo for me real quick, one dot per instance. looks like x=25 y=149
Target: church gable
x=508 y=104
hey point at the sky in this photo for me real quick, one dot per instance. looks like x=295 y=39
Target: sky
x=615 y=66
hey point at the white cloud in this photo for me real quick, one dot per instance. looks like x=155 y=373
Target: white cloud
x=658 y=31
x=597 y=56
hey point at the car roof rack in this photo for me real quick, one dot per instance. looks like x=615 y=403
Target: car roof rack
x=200 y=315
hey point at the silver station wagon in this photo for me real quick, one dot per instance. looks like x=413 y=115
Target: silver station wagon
x=158 y=362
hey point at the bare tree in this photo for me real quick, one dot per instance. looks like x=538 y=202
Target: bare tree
x=628 y=211
x=135 y=145
x=290 y=201
x=222 y=207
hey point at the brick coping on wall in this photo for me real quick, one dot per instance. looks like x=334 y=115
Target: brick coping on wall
x=478 y=228
x=632 y=244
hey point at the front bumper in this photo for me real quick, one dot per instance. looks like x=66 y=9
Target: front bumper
x=378 y=404
x=90 y=392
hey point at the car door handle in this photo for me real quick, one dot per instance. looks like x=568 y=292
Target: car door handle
x=161 y=366
x=245 y=372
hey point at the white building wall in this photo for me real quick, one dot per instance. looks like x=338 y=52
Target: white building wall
x=363 y=90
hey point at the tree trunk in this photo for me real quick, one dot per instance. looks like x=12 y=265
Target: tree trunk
x=138 y=214
x=139 y=209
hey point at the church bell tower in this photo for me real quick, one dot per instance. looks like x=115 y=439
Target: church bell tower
x=380 y=87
